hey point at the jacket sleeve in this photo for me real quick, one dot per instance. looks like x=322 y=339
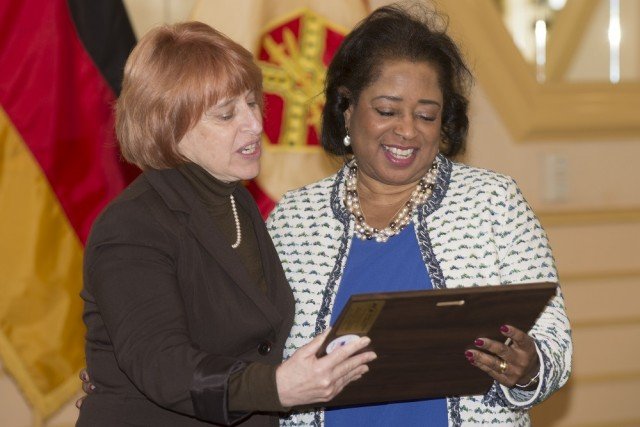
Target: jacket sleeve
x=525 y=256
x=130 y=271
x=255 y=388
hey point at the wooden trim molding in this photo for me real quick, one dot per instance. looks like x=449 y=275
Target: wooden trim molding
x=606 y=323
x=555 y=110
x=589 y=217
x=600 y=275
x=606 y=378
x=618 y=423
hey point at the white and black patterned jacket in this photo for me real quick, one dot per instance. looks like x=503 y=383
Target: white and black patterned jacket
x=475 y=229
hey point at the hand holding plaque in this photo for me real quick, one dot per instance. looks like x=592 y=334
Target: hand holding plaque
x=421 y=337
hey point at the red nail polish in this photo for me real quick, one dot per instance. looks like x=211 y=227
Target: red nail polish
x=468 y=354
x=504 y=328
x=479 y=342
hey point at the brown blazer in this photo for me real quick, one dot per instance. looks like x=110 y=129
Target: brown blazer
x=171 y=311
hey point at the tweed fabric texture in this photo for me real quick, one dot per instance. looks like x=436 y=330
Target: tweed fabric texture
x=476 y=229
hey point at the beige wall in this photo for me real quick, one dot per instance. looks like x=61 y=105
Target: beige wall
x=596 y=243
x=593 y=224
x=594 y=228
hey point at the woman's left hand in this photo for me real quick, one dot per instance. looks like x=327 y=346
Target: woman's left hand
x=87 y=386
x=516 y=363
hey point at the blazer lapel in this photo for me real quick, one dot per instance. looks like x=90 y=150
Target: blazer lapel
x=211 y=238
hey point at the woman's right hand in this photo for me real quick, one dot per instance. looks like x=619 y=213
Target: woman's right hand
x=304 y=378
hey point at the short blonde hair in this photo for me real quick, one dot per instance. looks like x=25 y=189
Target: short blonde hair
x=172 y=77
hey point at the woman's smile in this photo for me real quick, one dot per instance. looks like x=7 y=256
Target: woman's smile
x=399 y=155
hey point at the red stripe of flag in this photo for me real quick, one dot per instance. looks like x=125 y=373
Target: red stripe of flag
x=61 y=105
x=264 y=202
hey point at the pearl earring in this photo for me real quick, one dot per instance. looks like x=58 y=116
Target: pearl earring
x=347 y=140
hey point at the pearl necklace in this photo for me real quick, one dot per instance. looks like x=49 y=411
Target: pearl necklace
x=237 y=220
x=352 y=202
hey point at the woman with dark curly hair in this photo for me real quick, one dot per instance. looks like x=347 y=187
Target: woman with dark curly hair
x=401 y=215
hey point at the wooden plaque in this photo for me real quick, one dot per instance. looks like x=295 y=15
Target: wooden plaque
x=420 y=338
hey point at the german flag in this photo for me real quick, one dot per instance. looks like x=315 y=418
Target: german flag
x=60 y=69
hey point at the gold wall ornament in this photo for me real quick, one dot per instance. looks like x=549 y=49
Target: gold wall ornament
x=294 y=55
x=294 y=52
x=556 y=109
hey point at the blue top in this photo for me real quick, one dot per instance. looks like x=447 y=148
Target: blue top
x=395 y=265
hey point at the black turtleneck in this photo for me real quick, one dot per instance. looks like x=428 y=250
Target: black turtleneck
x=255 y=387
x=215 y=195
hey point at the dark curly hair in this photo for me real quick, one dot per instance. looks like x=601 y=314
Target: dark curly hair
x=397 y=31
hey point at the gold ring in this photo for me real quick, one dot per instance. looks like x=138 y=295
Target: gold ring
x=502 y=366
